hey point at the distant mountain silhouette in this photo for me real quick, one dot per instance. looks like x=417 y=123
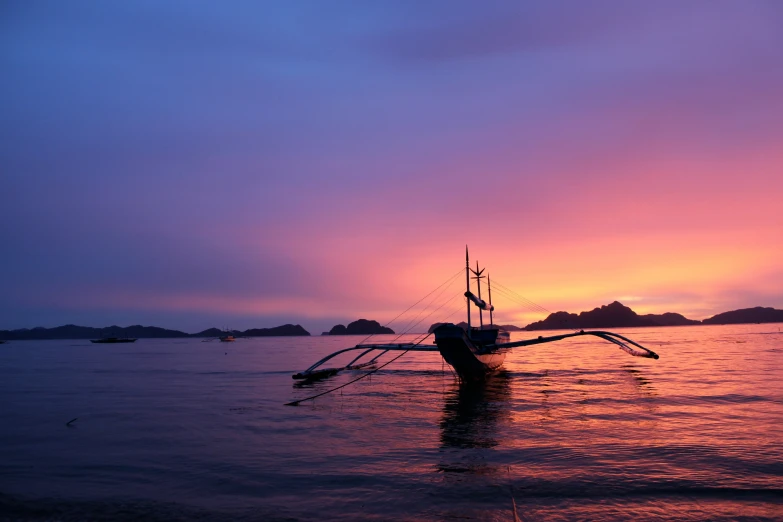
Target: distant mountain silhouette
x=669 y=319
x=747 y=315
x=510 y=328
x=613 y=315
x=617 y=315
x=277 y=331
x=359 y=327
x=284 y=330
x=70 y=331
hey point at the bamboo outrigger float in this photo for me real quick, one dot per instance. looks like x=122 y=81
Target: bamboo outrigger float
x=472 y=352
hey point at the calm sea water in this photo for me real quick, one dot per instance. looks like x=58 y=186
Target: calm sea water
x=183 y=429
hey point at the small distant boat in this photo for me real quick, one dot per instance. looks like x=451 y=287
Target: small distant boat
x=472 y=352
x=111 y=340
x=227 y=337
x=2 y=342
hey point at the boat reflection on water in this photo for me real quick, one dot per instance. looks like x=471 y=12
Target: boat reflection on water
x=473 y=410
x=473 y=413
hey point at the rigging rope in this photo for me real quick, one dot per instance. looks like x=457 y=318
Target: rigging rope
x=523 y=301
x=411 y=324
x=449 y=280
x=420 y=319
x=456 y=310
x=511 y=294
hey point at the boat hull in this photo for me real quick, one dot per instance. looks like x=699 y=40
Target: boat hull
x=471 y=360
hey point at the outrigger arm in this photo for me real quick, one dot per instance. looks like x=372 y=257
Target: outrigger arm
x=617 y=339
x=314 y=373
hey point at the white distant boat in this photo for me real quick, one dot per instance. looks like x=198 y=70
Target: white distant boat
x=472 y=352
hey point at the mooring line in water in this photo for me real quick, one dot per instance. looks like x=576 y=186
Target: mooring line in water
x=514 y=511
x=514 y=507
x=296 y=403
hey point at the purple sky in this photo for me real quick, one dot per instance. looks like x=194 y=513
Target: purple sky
x=248 y=164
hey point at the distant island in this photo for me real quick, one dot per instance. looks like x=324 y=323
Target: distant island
x=70 y=331
x=359 y=327
x=614 y=315
x=285 y=330
x=747 y=315
x=617 y=315
x=510 y=328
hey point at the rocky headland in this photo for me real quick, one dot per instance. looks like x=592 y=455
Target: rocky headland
x=758 y=314
x=359 y=327
x=613 y=315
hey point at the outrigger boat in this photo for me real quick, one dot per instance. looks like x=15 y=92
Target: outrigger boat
x=472 y=352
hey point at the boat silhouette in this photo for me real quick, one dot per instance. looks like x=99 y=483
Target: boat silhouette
x=473 y=352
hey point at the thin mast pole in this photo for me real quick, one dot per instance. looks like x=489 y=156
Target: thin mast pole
x=489 y=289
x=478 y=282
x=467 y=281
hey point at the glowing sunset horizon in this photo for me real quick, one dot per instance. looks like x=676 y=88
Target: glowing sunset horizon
x=196 y=166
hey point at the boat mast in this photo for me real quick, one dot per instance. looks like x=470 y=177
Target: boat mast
x=478 y=282
x=489 y=290
x=478 y=277
x=467 y=281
